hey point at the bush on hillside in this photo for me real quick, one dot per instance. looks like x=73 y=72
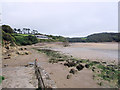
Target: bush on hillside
x=7 y=29
x=8 y=37
x=25 y=40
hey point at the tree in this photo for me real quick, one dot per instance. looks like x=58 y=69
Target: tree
x=15 y=30
x=28 y=31
x=19 y=30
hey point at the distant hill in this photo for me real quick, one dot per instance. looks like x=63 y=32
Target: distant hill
x=98 y=37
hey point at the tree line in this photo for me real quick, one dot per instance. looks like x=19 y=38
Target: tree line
x=25 y=31
x=98 y=37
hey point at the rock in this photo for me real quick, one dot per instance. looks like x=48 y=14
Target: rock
x=93 y=69
x=7 y=47
x=17 y=53
x=7 y=58
x=69 y=76
x=25 y=48
x=93 y=76
x=73 y=71
x=9 y=54
x=110 y=65
x=104 y=62
x=96 y=62
x=26 y=53
x=31 y=63
x=5 y=65
x=70 y=64
x=26 y=65
x=79 y=67
x=21 y=49
x=87 y=65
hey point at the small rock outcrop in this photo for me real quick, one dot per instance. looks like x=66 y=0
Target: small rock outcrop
x=87 y=65
x=73 y=71
x=79 y=67
x=69 y=76
x=70 y=64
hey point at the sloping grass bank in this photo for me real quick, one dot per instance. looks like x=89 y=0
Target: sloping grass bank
x=24 y=39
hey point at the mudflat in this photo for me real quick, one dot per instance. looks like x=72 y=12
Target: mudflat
x=92 y=51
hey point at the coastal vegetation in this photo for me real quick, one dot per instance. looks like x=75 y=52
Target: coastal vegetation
x=98 y=37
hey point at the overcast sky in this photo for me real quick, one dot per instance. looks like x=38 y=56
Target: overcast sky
x=62 y=18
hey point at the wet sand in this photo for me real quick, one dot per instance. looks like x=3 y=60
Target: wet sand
x=92 y=51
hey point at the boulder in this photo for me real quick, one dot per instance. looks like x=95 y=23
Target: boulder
x=25 y=48
x=104 y=62
x=7 y=57
x=70 y=64
x=5 y=65
x=79 y=67
x=87 y=65
x=73 y=71
x=9 y=54
x=96 y=62
x=17 y=52
x=7 y=47
x=21 y=49
x=69 y=76
x=26 y=53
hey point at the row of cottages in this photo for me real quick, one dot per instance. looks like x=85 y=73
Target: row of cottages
x=42 y=37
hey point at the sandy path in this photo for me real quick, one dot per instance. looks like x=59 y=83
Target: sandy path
x=19 y=77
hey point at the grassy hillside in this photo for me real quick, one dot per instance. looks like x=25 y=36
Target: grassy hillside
x=9 y=34
x=24 y=39
x=99 y=37
x=14 y=38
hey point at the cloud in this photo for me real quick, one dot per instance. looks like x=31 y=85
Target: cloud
x=59 y=0
x=67 y=19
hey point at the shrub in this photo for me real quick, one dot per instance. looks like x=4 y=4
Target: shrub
x=7 y=29
x=8 y=37
x=1 y=78
x=25 y=40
